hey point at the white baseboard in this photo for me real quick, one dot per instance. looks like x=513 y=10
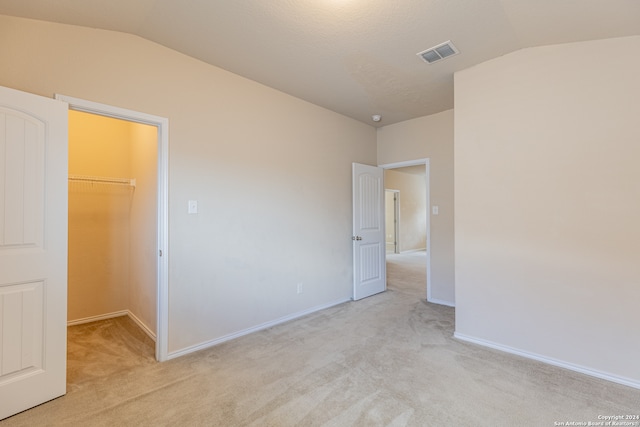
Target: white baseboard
x=106 y=316
x=413 y=250
x=142 y=326
x=96 y=318
x=229 y=337
x=555 y=362
x=441 y=302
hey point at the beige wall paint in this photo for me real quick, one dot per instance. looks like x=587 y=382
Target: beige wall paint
x=235 y=146
x=98 y=263
x=413 y=208
x=547 y=204
x=429 y=137
x=143 y=220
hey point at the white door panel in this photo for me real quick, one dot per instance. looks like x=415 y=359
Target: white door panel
x=33 y=250
x=369 y=270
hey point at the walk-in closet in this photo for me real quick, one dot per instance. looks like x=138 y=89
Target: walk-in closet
x=112 y=266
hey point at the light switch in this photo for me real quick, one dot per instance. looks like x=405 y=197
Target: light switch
x=193 y=206
x=434 y=210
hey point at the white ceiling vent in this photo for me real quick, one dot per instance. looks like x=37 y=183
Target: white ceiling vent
x=439 y=52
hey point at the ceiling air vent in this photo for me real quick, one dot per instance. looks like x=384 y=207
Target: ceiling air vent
x=439 y=52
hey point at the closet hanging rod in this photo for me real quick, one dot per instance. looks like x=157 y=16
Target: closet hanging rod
x=101 y=179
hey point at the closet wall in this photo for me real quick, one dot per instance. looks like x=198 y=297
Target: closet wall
x=112 y=227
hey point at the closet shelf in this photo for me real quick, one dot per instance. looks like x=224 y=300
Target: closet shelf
x=103 y=180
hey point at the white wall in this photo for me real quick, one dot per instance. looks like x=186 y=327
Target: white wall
x=235 y=146
x=547 y=204
x=429 y=137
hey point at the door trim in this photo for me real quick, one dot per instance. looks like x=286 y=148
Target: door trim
x=427 y=163
x=162 y=124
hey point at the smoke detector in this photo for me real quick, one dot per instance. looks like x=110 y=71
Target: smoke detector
x=439 y=52
x=376 y=117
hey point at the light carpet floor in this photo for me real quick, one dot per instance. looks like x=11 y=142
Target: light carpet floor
x=388 y=360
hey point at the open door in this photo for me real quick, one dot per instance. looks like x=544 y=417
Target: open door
x=33 y=250
x=369 y=269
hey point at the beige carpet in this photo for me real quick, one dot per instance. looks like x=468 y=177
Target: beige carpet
x=103 y=349
x=407 y=272
x=388 y=360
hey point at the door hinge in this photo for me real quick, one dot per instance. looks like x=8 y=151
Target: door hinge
x=160 y=252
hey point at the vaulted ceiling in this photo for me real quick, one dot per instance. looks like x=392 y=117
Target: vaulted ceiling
x=356 y=57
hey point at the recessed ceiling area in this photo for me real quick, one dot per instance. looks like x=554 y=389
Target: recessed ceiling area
x=355 y=57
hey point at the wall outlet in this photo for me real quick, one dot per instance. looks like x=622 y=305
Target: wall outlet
x=299 y=288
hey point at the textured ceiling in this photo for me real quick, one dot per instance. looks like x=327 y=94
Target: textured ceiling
x=356 y=57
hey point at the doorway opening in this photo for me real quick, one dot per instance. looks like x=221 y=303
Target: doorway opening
x=118 y=218
x=111 y=304
x=411 y=260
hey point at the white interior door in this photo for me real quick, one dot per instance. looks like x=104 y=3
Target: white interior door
x=33 y=250
x=369 y=269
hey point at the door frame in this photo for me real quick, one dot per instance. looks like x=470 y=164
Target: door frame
x=162 y=124
x=427 y=163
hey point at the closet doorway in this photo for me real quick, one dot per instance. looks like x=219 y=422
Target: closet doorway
x=117 y=218
x=112 y=220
